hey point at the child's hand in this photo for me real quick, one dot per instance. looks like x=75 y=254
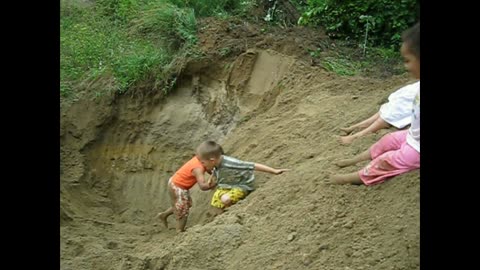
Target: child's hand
x=280 y=171
x=212 y=180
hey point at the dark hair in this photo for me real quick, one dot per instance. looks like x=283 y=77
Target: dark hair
x=411 y=38
x=209 y=149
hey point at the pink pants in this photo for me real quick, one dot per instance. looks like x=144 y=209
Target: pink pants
x=391 y=156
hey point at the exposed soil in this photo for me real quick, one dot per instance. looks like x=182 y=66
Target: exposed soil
x=259 y=94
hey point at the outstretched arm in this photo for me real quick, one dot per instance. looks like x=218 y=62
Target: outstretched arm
x=375 y=126
x=364 y=124
x=265 y=168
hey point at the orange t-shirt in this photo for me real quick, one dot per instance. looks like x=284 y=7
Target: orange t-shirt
x=184 y=177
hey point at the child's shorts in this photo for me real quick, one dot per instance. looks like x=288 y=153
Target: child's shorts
x=391 y=156
x=181 y=200
x=235 y=194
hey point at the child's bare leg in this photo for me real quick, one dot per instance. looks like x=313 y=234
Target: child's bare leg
x=365 y=123
x=377 y=125
x=365 y=155
x=226 y=200
x=351 y=178
x=181 y=224
x=164 y=215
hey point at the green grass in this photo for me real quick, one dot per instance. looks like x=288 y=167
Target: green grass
x=167 y=23
x=341 y=66
x=347 y=61
x=95 y=48
x=219 y=8
x=115 y=45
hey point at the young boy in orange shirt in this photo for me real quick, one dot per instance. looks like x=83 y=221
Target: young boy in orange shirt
x=182 y=181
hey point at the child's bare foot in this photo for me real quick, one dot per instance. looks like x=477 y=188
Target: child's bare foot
x=342 y=179
x=163 y=217
x=344 y=163
x=346 y=139
x=347 y=130
x=337 y=179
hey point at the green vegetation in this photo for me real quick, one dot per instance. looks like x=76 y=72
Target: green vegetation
x=119 y=45
x=114 y=45
x=351 y=62
x=370 y=23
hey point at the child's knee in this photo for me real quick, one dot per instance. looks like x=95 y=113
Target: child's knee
x=385 y=165
x=226 y=199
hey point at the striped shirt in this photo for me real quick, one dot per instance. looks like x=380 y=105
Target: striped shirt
x=235 y=173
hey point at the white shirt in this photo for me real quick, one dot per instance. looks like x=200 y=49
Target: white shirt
x=398 y=110
x=413 y=136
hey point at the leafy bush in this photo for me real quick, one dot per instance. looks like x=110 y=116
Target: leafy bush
x=349 y=19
